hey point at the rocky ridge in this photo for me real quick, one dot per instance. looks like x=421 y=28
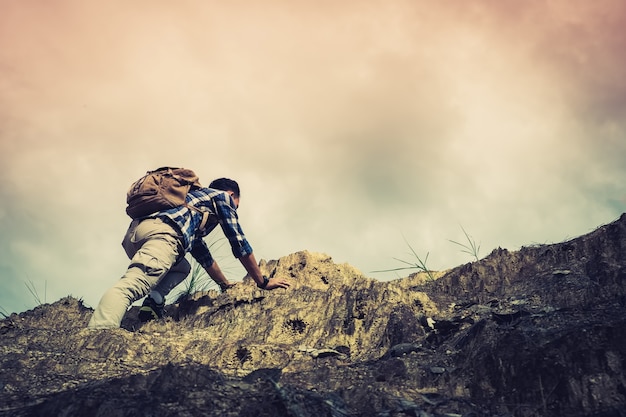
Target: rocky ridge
x=535 y=332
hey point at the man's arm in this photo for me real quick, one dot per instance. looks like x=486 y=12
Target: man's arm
x=250 y=263
x=227 y=214
x=202 y=254
x=218 y=276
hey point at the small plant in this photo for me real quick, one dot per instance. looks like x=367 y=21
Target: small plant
x=470 y=247
x=419 y=263
x=198 y=281
x=33 y=291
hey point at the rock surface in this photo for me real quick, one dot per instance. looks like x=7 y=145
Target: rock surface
x=536 y=332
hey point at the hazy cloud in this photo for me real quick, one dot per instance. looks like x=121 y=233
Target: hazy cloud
x=347 y=127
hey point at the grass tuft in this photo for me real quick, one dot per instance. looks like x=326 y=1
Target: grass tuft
x=4 y=312
x=30 y=285
x=419 y=264
x=198 y=281
x=470 y=247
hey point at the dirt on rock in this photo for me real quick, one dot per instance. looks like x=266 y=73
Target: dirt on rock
x=535 y=332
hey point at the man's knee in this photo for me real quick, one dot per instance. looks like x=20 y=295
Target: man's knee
x=183 y=267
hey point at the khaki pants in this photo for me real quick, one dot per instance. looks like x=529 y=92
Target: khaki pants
x=156 y=262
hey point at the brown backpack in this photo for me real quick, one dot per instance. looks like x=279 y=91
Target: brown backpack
x=160 y=190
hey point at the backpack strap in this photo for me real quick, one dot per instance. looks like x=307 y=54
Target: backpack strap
x=205 y=215
x=205 y=219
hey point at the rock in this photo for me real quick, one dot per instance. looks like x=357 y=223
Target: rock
x=389 y=369
x=402 y=349
x=509 y=318
x=540 y=327
x=266 y=374
x=437 y=369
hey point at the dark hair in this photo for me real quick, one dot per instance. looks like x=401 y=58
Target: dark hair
x=225 y=184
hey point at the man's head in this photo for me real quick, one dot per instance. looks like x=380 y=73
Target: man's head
x=228 y=185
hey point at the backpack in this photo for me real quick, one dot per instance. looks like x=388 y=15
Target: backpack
x=160 y=190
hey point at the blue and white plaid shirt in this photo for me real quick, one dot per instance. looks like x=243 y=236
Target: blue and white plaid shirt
x=222 y=210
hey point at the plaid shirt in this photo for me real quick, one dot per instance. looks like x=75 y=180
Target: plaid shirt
x=222 y=211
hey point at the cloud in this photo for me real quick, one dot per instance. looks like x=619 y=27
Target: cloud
x=350 y=129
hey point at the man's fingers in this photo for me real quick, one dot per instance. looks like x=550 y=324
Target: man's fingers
x=280 y=283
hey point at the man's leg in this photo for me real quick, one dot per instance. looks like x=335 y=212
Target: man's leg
x=158 y=248
x=175 y=276
x=153 y=306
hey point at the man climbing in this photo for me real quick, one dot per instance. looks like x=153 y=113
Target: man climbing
x=157 y=244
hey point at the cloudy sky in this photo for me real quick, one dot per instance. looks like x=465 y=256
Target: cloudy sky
x=354 y=128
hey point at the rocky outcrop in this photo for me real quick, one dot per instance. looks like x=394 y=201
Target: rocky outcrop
x=536 y=332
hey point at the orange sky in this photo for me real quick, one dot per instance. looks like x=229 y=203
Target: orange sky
x=348 y=125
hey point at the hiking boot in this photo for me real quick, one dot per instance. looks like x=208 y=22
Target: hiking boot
x=150 y=310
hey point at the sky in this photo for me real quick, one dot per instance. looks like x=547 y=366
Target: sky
x=364 y=130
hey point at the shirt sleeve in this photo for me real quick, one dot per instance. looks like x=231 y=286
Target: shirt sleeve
x=229 y=221
x=200 y=252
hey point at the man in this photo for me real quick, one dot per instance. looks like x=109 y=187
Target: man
x=157 y=244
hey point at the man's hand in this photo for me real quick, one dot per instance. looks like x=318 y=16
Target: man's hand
x=276 y=283
x=251 y=266
x=226 y=286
